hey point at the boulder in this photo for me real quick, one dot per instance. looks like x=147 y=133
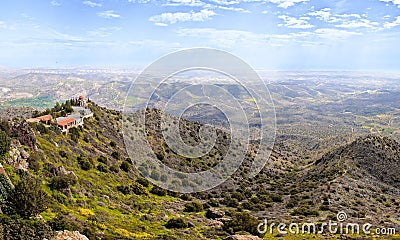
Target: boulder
x=243 y=237
x=17 y=158
x=67 y=235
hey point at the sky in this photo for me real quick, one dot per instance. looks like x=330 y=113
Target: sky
x=351 y=35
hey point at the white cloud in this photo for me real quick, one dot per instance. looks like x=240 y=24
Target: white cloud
x=357 y=24
x=108 y=14
x=347 y=20
x=292 y=22
x=265 y=12
x=395 y=2
x=225 y=2
x=54 y=3
x=332 y=34
x=223 y=38
x=139 y=1
x=236 y=38
x=323 y=14
x=189 y=3
x=234 y=9
x=92 y=4
x=161 y=24
x=393 y=24
x=171 y=18
x=287 y=3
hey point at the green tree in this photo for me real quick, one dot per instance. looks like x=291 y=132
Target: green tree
x=5 y=143
x=28 y=198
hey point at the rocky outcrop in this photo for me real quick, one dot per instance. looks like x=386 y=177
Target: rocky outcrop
x=16 y=112
x=243 y=237
x=67 y=235
x=18 y=157
x=24 y=134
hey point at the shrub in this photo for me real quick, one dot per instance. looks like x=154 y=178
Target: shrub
x=158 y=191
x=28 y=198
x=304 y=211
x=12 y=228
x=176 y=223
x=138 y=189
x=5 y=127
x=125 y=166
x=276 y=198
x=102 y=159
x=142 y=181
x=116 y=155
x=34 y=161
x=74 y=133
x=62 y=153
x=5 y=143
x=42 y=128
x=63 y=181
x=242 y=221
x=102 y=167
x=85 y=165
x=114 y=169
x=124 y=189
x=113 y=144
x=193 y=207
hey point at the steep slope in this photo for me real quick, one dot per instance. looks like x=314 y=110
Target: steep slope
x=95 y=188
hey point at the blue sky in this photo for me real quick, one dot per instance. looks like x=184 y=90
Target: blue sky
x=268 y=34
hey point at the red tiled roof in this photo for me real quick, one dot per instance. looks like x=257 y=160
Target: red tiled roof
x=65 y=121
x=81 y=97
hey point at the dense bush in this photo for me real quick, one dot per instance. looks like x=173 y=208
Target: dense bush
x=138 y=189
x=242 y=221
x=158 y=191
x=40 y=127
x=27 y=199
x=276 y=198
x=102 y=159
x=193 y=207
x=5 y=127
x=176 y=223
x=142 y=181
x=116 y=155
x=102 y=167
x=13 y=228
x=304 y=211
x=74 y=133
x=125 y=166
x=34 y=161
x=84 y=163
x=63 y=181
x=5 y=143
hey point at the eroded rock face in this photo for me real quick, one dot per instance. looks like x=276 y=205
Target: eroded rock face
x=24 y=134
x=67 y=235
x=18 y=158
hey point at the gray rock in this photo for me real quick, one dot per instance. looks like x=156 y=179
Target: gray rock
x=243 y=237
